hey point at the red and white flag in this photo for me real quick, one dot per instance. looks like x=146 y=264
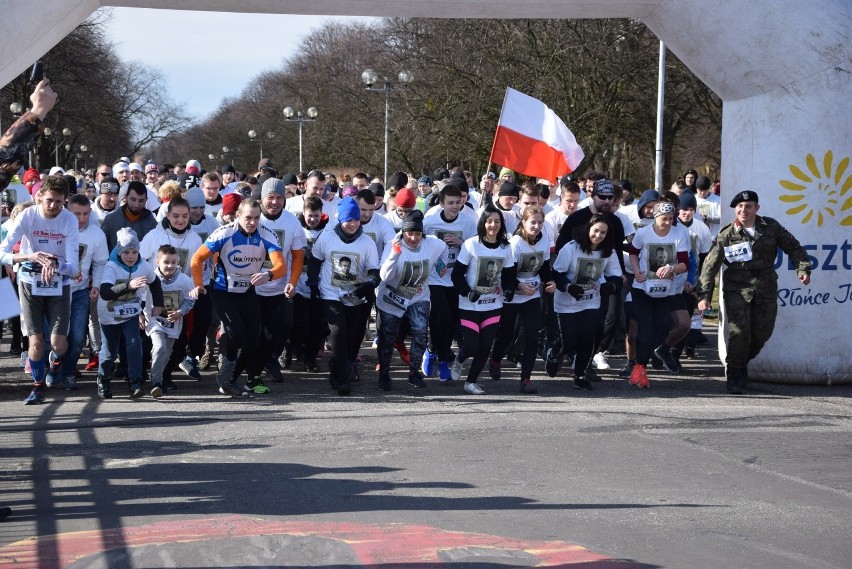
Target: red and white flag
x=532 y=140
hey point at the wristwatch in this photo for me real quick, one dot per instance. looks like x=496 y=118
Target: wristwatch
x=269 y=274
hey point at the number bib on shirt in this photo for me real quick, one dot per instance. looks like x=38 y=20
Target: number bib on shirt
x=658 y=288
x=741 y=252
x=238 y=283
x=52 y=288
x=127 y=310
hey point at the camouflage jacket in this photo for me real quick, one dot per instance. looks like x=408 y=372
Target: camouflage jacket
x=759 y=272
x=15 y=145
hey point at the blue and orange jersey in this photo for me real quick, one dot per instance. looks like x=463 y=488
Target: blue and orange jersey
x=239 y=255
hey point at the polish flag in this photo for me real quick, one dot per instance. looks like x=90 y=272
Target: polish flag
x=532 y=140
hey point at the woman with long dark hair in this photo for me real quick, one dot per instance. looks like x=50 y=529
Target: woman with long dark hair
x=531 y=254
x=584 y=268
x=484 y=272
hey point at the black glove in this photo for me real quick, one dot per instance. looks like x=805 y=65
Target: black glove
x=315 y=293
x=508 y=295
x=576 y=291
x=473 y=296
x=607 y=288
x=362 y=289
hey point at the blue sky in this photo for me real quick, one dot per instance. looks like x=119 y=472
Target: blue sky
x=187 y=46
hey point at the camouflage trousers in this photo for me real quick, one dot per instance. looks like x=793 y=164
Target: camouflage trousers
x=751 y=319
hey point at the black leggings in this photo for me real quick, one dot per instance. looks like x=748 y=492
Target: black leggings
x=654 y=316
x=443 y=321
x=273 y=313
x=529 y=314
x=478 y=330
x=309 y=327
x=578 y=331
x=347 y=331
x=240 y=314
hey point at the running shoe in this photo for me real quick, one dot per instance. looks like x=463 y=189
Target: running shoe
x=156 y=391
x=456 y=370
x=665 y=354
x=255 y=384
x=637 y=374
x=599 y=361
x=93 y=363
x=414 y=380
x=473 y=388
x=580 y=382
x=71 y=383
x=404 y=354
x=552 y=362
x=36 y=396
x=190 y=367
x=494 y=370
x=527 y=386
x=429 y=363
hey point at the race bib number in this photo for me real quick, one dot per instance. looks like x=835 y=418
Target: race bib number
x=739 y=253
x=127 y=310
x=397 y=299
x=586 y=297
x=165 y=323
x=658 y=288
x=50 y=288
x=238 y=283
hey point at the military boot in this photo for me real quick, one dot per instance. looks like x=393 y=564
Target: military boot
x=104 y=389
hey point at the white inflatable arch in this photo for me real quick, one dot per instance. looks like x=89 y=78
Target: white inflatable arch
x=782 y=68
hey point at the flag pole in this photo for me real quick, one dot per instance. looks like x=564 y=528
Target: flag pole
x=502 y=108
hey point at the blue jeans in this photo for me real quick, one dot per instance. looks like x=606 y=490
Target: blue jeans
x=111 y=336
x=76 y=330
x=418 y=318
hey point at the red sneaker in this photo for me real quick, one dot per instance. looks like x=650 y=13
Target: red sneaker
x=404 y=355
x=93 y=363
x=637 y=374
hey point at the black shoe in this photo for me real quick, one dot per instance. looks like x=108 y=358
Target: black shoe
x=344 y=389
x=552 y=362
x=273 y=368
x=104 y=389
x=384 y=381
x=527 y=387
x=414 y=380
x=592 y=375
x=690 y=353
x=354 y=373
x=136 y=390
x=656 y=362
x=168 y=384
x=311 y=366
x=627 y=369
x=288 y=359
x=494 y=370
x=665 y=354
x=580 y=382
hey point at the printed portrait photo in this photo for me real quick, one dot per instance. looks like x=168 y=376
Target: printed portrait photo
x=588 y=271
x=171 y=300
x=414 y=276
x=659 y=255
x=488 y=274
x=267 y=264
x=183 y=260
x=344 y=269
x=530 y=264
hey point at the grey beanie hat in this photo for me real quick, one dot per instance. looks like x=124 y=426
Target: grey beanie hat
x=195 y=197
x=126 y=239
x=272 y=186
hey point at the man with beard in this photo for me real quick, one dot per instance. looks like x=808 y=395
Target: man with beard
x=132 y=214
x=106 y=199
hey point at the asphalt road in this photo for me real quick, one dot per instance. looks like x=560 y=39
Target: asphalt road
x=679 y=475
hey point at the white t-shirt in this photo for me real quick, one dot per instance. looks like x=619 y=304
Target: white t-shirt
x=296 y=205
x=93 y=256
x=381 y=231
x=553 y=223
x=710 y=210
x=462 y=227
x=484 y=266
x=204 y=229
x=394 y=219
x=510 y=219
x=291 y=238
x=174 y=295
x=656 y=251
x=587 y=270
x=345 y=263
x=405 y=276
x=57 y=236
x=128 y=305
x=529 y=259
x=186 y=243
x=311 y=235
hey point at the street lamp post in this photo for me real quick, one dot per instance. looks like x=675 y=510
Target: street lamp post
x=300 y=118
x=252 y=134
x=370 y=77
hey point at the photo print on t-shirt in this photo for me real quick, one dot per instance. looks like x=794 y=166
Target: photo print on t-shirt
x=267 y=264
x=344 y=268
x=659 y=255
x=530 y=264
x=488 y=274
x=453 y=251
x=183 y=259
x=589 y=271
x=414 y=275
x=171 y=300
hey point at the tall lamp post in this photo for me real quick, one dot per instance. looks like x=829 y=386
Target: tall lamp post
x=370 y=77
x=252 y=134
x=66 y=132
x=300 y=118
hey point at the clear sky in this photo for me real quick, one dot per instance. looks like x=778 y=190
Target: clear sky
x=188 y=46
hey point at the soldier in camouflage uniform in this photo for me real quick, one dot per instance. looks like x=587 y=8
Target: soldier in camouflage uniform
x=748 y=247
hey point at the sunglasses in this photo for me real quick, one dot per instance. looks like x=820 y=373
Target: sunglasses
x=605 y=198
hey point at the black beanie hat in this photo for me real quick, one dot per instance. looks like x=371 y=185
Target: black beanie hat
x=509 y=189
x=413 y=221
x=398 y=180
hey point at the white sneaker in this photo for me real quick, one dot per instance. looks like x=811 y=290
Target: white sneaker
x=600 y=362
x=456 y=370
x=473 y=388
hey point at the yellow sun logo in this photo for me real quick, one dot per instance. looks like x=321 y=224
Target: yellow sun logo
x=817 y=193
